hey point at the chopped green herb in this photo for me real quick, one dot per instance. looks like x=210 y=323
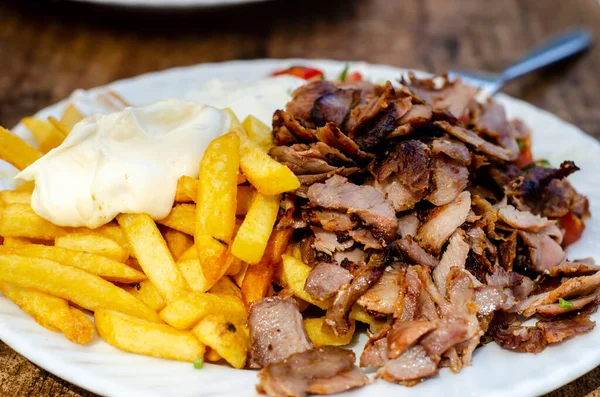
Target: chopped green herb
x=521 y=144
x=344 y=74
x=543 y=163
x=564 y=304
x=198 y=363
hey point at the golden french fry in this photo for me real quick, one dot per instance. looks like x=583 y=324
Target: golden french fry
x=94 y=244
x=71 y=116
x=359 y=313
x=63 y=129
x=26 y=187
x=259 y=133
x=259 y=278
x=244 y=199
x=188 y=254
x=51 y=312
x=212 y=355
x=153 y=254
x=267 y=175
x=19 y=220
x=182 y=217
x=186 y=311
x=75 y=285
x=230 y=339
x=192 y=273
x=47 y=136
x=321 y=337
x=178 y=242
x=235 y=267
x=251 y=240
x=226 y=286
x=16 y=151
x=147 y=293
x=133 y=263
x=217 y=188
x=106 y=268
x=212 y=257
x=16 y=241
x=239 y=276
x=150 y=339
x=113 y=231
x=187 y=190
x=293 y=275
x=15 y=197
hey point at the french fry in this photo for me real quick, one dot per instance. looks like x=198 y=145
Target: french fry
x=239 y=276
x=212 y=257
x=267 y=175
x=15 y=197
x=153 y=254
x=258 y=278
x=359 y=313
x=71 y=116
x=259 y=133
x=192 y=273
x=133 y=263
x=51 y=312
x=16 y=151
x=244 y=199
x=27 y=186
x=16 y=241
x=101 y=266
x=226 y=286
x=293 y=275
x=178 y=242
x=19 y=220
x=189 y=253
x=230 y=339
x=217 y=189
x=182 y=217
x=143 y=337
x=186 y=311
x=63 y=129
x=47 y=136
x=94 y=244
x=320 y=337
x=187 y=190
x=212 y=356
x=236 y=265
x=114 y=232
x=251 y=240
x=147 y=293
x=75 y=285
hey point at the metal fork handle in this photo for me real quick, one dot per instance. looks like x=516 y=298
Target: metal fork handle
x=553 y=50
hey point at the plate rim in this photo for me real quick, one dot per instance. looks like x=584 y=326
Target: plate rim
x=106 y=385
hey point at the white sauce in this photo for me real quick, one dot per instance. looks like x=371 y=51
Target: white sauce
x=127 y=161
x=259 y=99
x=130 y=161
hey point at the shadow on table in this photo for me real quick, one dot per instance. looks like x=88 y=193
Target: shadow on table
x=177 y=20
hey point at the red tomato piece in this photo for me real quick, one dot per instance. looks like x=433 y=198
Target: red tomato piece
x=525 y=158
x=573 y=226
x=355 y=76
x=300 y=71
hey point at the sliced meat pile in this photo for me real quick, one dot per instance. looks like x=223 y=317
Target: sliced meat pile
x=419 y=206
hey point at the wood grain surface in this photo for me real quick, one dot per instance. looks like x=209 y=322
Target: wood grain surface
x=50 y=48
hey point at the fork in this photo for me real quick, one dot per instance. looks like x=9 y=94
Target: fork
x=555 y=49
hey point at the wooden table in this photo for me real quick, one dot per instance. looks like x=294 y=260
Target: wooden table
x=48 y=49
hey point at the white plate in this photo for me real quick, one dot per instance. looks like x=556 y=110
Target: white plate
x=171 y=3
x=495 y=372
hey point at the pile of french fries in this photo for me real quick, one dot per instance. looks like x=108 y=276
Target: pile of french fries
x=178 y=288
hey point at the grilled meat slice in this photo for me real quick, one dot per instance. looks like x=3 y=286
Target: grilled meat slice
x=325 y=280
x=276 y=331
x=327 y=370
